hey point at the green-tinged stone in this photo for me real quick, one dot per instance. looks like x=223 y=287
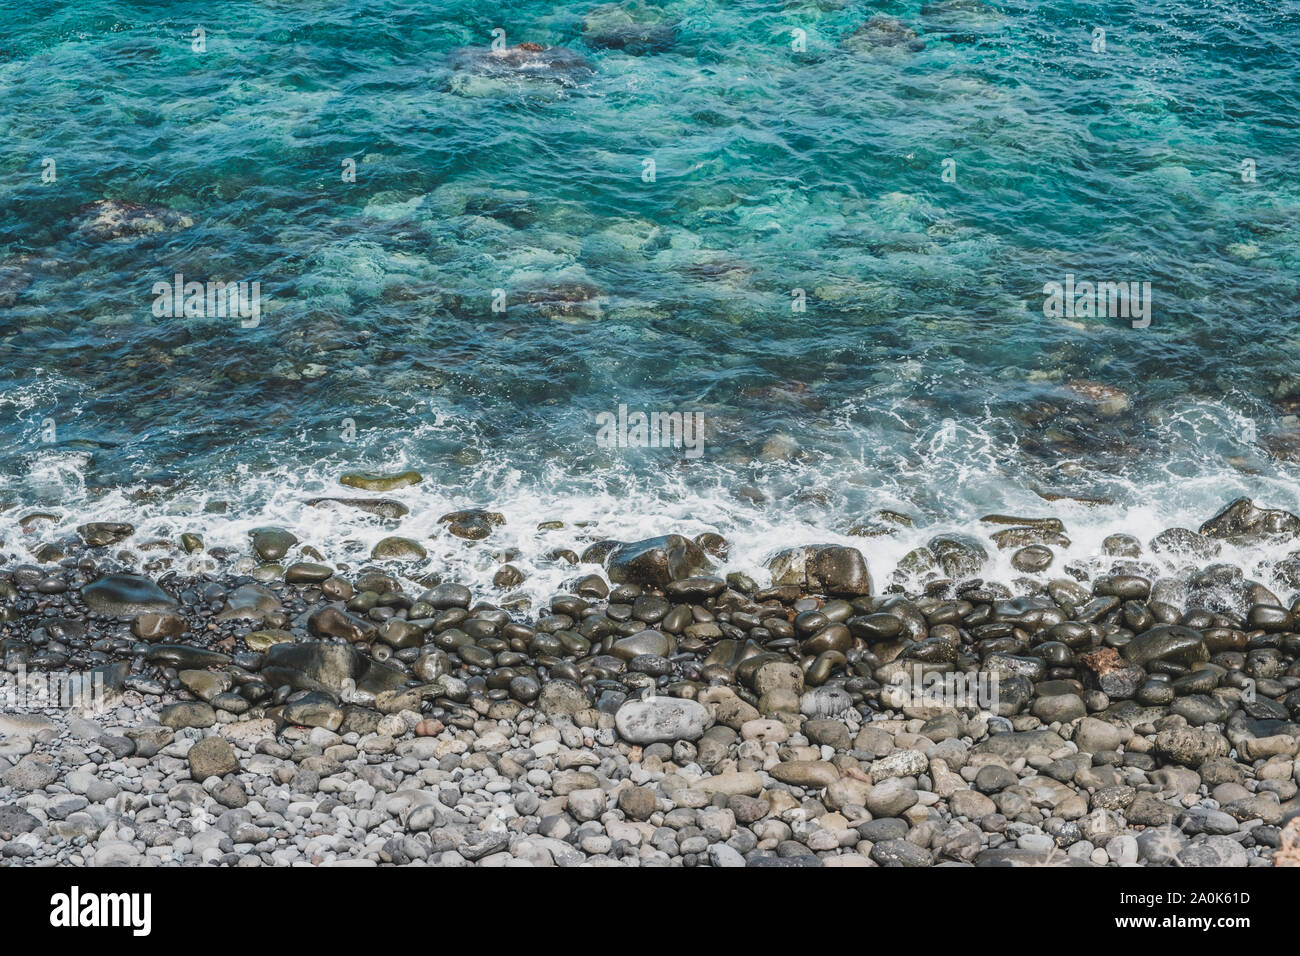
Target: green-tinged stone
x=377 y=481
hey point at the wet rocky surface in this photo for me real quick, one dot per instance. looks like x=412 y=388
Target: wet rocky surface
x=283 y=709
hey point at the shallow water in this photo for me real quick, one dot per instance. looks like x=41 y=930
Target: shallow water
x=923 y=376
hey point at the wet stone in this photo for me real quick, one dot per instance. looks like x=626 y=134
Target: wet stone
x=99 y=534
x=378 y=481
x=123 y=594
x=272 y=544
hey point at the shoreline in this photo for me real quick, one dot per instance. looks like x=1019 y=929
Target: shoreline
x=656 y=713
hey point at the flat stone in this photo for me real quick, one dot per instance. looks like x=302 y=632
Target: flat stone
x=806 y=773
x=1190 y=746
x=118 y=595
x=377 y=481
x=744 y=783
x=661 y=719
x=644 y=642
x=1025 y=744
x=971 y=804
x=249 y=602
x=187 y=713
x=900 y=853
x=158 y=626
x=891 y=798
x=25 y=725
x=380 y=507
x=314 y=709
x=29 y=774
x=206 y=685
x=1215 y=851
x=15 y=820
x=314 y=665
x=904 y=763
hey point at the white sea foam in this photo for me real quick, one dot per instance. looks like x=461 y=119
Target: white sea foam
x=953 y=474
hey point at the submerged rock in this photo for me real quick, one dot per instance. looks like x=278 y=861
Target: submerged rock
x=272 y=544
x=634 y=28
x=965 y=8
x=380 y=507
x=524 y=60
x=882 y=33
x=119 y=219
x=16 y=275
x=960 y=555
x=565 y=300
x=98 y=534
x=1185 y=543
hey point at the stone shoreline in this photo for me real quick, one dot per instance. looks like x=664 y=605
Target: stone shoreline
x=658 y=715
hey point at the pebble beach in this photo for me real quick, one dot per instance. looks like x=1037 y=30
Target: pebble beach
x=654 y=713
x=650 y=433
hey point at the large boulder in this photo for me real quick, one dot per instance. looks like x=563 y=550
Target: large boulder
x=562 y=697
x=823 y=569
x=314 y=666
x=655 y=562
x=1243 y=523
x=1166 y=642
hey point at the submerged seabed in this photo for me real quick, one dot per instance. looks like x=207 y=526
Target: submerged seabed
x=923 y=377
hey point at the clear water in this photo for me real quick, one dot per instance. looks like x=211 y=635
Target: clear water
x=924 y=376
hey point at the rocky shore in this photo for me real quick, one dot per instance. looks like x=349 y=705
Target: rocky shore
x=286 y=711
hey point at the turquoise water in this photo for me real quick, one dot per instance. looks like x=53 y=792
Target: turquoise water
x=923 y=375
